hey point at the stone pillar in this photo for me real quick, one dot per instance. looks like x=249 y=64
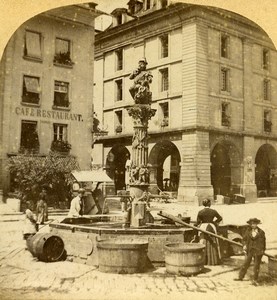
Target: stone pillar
x=195 y=177
x=141 y=113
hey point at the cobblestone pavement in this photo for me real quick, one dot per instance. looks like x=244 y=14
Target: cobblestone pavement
x=23 y=277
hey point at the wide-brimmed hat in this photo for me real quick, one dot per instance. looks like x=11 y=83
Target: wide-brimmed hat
x=254 y=220
x=81 y=190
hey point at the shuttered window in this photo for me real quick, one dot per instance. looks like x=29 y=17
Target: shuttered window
x=32 y=44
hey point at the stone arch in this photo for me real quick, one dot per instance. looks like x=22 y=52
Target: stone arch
x=165 y=158
x=115 y=165
x=225 y=168
x=266 y=170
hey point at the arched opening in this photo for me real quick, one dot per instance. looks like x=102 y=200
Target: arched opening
x=115 y=163
x=266 y=171
x=225 y=169
x=165 y=159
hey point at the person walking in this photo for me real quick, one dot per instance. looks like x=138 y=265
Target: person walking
x=77 y=204
x=254 y=244
x=208 y=219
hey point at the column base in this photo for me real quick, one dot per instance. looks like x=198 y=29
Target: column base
x=250 y=192
x=193 y=195
x=140 y=216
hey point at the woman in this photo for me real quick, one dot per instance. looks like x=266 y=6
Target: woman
x=30 y=227
x=208 y=219
x=42 y=210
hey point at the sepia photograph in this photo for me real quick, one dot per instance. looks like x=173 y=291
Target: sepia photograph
x=138 y=150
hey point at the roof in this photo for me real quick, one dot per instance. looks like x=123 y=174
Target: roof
x=91 y=176
x=79 y=13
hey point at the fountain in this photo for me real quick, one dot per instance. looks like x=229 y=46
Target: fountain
x=81 y=235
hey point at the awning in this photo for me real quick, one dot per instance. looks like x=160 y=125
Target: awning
x=32 y=84
x=91 y=176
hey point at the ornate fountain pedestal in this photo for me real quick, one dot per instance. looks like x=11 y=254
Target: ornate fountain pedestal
x=141 y=112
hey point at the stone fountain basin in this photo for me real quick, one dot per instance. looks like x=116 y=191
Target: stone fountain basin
x=80 y=236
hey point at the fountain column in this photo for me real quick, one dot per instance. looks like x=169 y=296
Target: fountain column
x=141 y=112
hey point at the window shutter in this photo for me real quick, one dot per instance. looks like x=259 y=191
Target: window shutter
x=33 y=45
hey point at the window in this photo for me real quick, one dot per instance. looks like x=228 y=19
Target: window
x=147 y=4
x=266 y=89
x=119 y=94
x=224 y=80
x=32 y=47
x=62 y=52
x=164 y=79
x=267 y=121
x=118 y=121
x=31 y=90
x=163 y=3
x=61 y=94
x=164 y=45
x=164 y=114
x=29 y=137
x=119 y=59
x=119 y=19
x=60 y=132
x=265 y=59
x=224 y=46
x=225 y=114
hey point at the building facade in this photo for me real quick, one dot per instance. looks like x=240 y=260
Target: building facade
x=46 y=87
x=215 y=91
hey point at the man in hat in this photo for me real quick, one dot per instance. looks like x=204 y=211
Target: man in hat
x=77 y=204
x=253 y=246
x=141 y=77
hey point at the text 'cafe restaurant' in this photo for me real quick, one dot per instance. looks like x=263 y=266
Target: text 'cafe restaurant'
x=33 y=130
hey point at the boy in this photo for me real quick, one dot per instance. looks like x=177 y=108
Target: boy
x=254 y=246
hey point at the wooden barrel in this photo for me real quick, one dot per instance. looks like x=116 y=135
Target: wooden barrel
x=46 y=246
x=122 y=256
x=272 y=266
x=184 y=258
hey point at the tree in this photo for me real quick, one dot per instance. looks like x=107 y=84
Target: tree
x=32 y=172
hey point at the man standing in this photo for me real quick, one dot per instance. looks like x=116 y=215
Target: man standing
x=254 y=242
x=77 y=205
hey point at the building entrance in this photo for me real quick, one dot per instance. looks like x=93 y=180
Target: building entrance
x=115 y=163
x=266 y=171
x=165 y=159
x=221 y=170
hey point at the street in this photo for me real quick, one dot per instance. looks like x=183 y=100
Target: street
x=22 y=276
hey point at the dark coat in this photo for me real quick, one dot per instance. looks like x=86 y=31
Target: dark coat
x=256 y=244
x=208 y=215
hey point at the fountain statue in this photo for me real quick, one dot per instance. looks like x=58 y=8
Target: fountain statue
x=141 y=112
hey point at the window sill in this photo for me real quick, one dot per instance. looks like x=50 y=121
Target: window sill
x=62 y=107
x=30 y=104
x=30 y=58
x=63 y=65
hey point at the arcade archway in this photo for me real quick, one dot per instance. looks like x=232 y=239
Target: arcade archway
x=165 y=159
x=115 y=164
x=225 y=169
x=266 y=171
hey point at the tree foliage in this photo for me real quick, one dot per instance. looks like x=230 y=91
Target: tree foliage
x=32 y=172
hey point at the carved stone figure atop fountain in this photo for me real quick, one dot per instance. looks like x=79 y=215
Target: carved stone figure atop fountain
x=142 y=78
x=141 y=113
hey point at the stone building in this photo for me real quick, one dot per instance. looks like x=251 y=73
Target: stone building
x=215 y=91
x=46 y=87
